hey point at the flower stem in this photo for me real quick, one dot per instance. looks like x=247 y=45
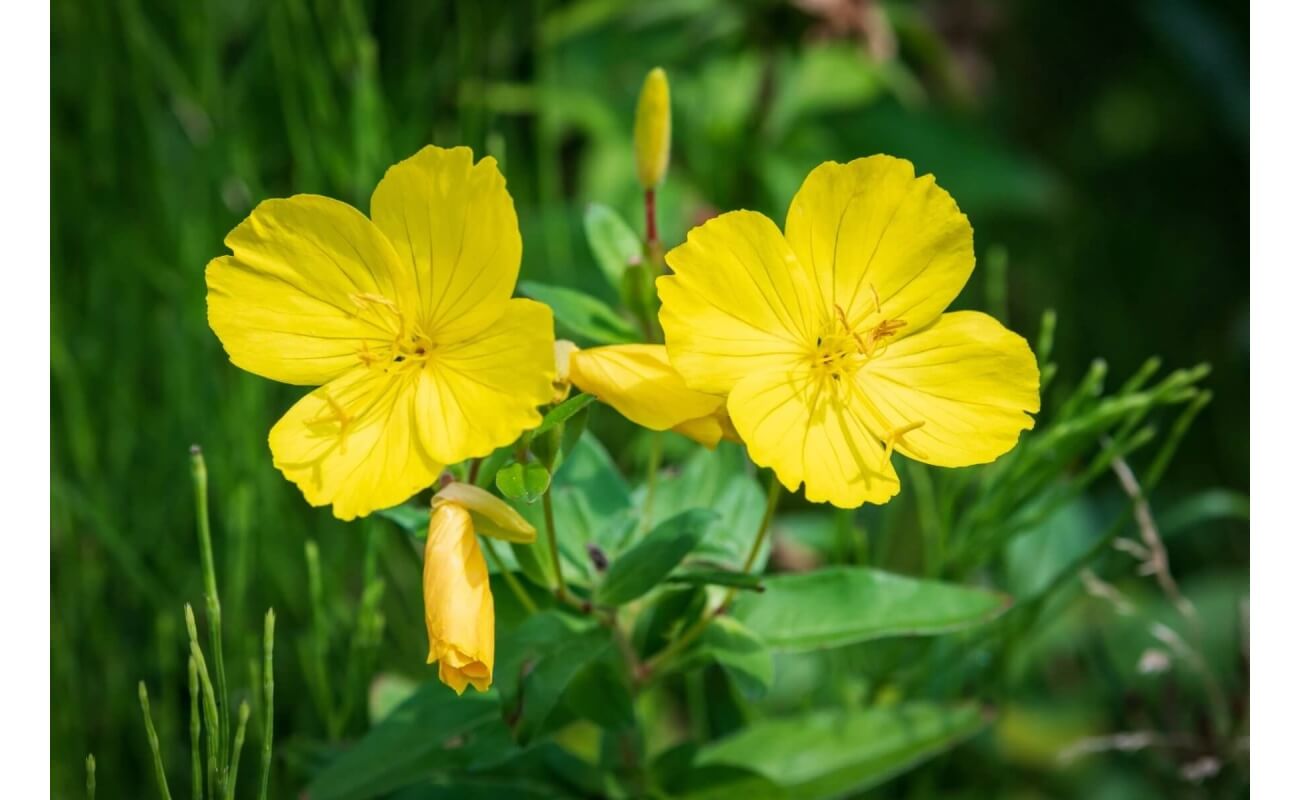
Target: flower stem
x=268 y=690
x=196 y=731
x=692 y=633
x=651 y=222
x=515 y=586
x=159 y=773
x=199 y=471
x=651 y=475
x=549 y=512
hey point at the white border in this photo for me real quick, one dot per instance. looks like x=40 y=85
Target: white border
x=1274 y=389
x=25 y=401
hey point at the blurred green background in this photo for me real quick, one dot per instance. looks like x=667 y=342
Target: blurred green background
x=1099 y=148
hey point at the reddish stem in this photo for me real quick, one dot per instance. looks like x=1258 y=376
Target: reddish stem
x=651 y=228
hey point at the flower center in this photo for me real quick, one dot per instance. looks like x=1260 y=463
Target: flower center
x=840 y=351
x=411 y=348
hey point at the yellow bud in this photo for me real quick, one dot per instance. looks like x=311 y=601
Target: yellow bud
x=458 y=610
x=654 y=129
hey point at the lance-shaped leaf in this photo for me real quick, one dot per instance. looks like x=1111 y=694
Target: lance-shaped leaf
x=844 y=605
x=640 y=568
x=581 y=315
x=833 y=753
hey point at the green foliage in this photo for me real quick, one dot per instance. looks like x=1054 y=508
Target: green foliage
x=580 y=315
x=840 y=752
x=648 y=562
x=805 y=611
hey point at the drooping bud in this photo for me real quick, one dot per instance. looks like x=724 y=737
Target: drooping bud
x=654 y=129
x=458 y=610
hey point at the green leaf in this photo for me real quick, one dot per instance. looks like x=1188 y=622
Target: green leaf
x=536 y=663
x=669 y=611
x=562 y=412
x=739 y=652
x=1205 y=506
x=601 y=693
x=832 y=753
x=716 y=480
x=718 y=577
x=581 y=315
x=425 y=734
x=725 y=782
x=613 y=243
x=640 y=568
x=410 y=517
x=524 y=482
x=844 y=605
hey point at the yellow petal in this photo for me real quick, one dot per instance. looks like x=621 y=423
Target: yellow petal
x=297 y=300
x=972 y=382
x=453 y=224
x=458 y=611
x=812 y=431
x=708 y=431
x=872 y=228
x=352 y=443
x=639 y=383
x=480 y=393
x=739 y=302
x=491 y=515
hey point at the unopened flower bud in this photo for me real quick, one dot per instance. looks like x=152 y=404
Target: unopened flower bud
x=654 y=129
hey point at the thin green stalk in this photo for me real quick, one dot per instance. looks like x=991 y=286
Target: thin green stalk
x=651 y=475
x=90 y=776
x=199 y=471
x=549 y=512
x=158 y=770
x=516 y=587
x=692 y=633
x=319 y=643
x=268 y=691
x=196 y=729
x=932 y=533
x=210 y=713
x=236 y=750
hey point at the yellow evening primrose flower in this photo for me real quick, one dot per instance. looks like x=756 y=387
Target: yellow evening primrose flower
x=639 y=383
x=404 y=320
x=831 y=342
x=458 y=611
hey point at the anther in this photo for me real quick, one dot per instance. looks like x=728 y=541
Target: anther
x=895 y=436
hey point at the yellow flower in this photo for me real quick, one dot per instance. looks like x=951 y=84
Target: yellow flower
x=652 y=135
x=458 y=610
x=404 y=320
x=638 y=381
x=831 y=342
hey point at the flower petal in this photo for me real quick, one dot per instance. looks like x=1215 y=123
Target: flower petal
x=480 y=393
x=812 y=431
x=458 y=610
x=453 y=224
x=872 y=224
x=296 y=301
x=739 y=301
x=491 y=515
x=638 y=381
x=352 y=443
x=972 y=382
